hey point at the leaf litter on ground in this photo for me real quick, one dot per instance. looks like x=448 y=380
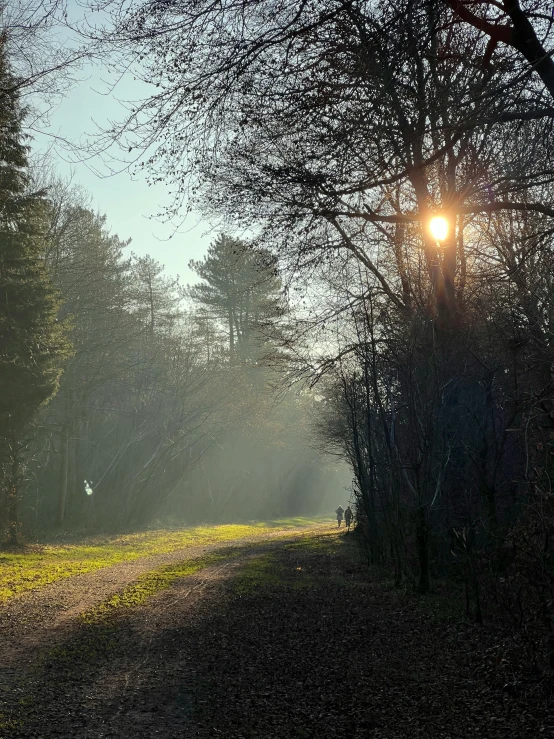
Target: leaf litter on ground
x=299 y=640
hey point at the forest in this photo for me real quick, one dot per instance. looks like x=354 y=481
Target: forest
x=373 y=321
x=160 y=401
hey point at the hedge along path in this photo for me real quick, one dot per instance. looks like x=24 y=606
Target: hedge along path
x=31 y=618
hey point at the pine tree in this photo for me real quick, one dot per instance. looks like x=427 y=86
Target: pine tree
x=241 y=290
x=32 y=342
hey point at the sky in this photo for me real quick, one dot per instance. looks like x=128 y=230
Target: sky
x=129 y=203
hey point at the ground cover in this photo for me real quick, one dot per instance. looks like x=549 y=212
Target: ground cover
x=38 y=566
x=283 y=638
x=152 y=583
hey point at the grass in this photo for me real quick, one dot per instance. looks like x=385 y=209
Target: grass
x=96 y=639
x=29 y=570
x=273 y=570
x=324 y=543
x=293 y=522
x=148 y=585
x=258 y=572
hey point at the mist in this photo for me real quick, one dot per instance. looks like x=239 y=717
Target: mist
x=177 y=404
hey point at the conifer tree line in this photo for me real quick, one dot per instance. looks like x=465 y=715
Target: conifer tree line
x=340 y=128
x=127 y=397
x=33 y=342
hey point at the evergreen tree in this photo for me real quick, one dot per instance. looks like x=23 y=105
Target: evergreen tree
x=87 y=266
x=156 y=297
x=32 y=342
x=241 y=290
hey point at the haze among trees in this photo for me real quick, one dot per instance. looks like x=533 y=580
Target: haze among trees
x=164 y=407
x=341 y=334
x=162 y=403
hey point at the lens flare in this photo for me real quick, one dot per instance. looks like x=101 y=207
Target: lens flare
x=439 y=228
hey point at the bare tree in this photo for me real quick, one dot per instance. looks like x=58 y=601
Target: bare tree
x=523 y=26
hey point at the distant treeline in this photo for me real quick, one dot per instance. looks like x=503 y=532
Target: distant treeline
x=166 y=406
x=127 y=398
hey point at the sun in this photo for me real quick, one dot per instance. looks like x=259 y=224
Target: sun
x=439 y=228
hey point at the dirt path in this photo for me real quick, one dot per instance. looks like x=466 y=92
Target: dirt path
x=41 y=616
x=286 y=641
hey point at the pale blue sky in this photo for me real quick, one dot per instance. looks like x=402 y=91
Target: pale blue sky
x=128 y=202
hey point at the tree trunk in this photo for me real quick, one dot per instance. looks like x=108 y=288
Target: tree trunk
x=422 y=539
x=231 y=336
x=14 y=491
x=64 y=475
x=398 y=569
x=77 y=476
x=13 y=520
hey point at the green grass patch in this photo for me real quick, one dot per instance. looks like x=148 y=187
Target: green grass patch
x=272 y=570
x=327 y=543
x=262 y=571
x=294 y=522
x=28 y=570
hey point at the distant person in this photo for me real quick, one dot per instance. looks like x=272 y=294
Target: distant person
x=340 y=513
x=348 y=516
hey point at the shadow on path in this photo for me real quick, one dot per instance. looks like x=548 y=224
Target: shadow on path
x=291 y=641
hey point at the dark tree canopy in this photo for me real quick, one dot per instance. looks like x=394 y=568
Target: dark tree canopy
x=32 y=343
x=341 y=128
